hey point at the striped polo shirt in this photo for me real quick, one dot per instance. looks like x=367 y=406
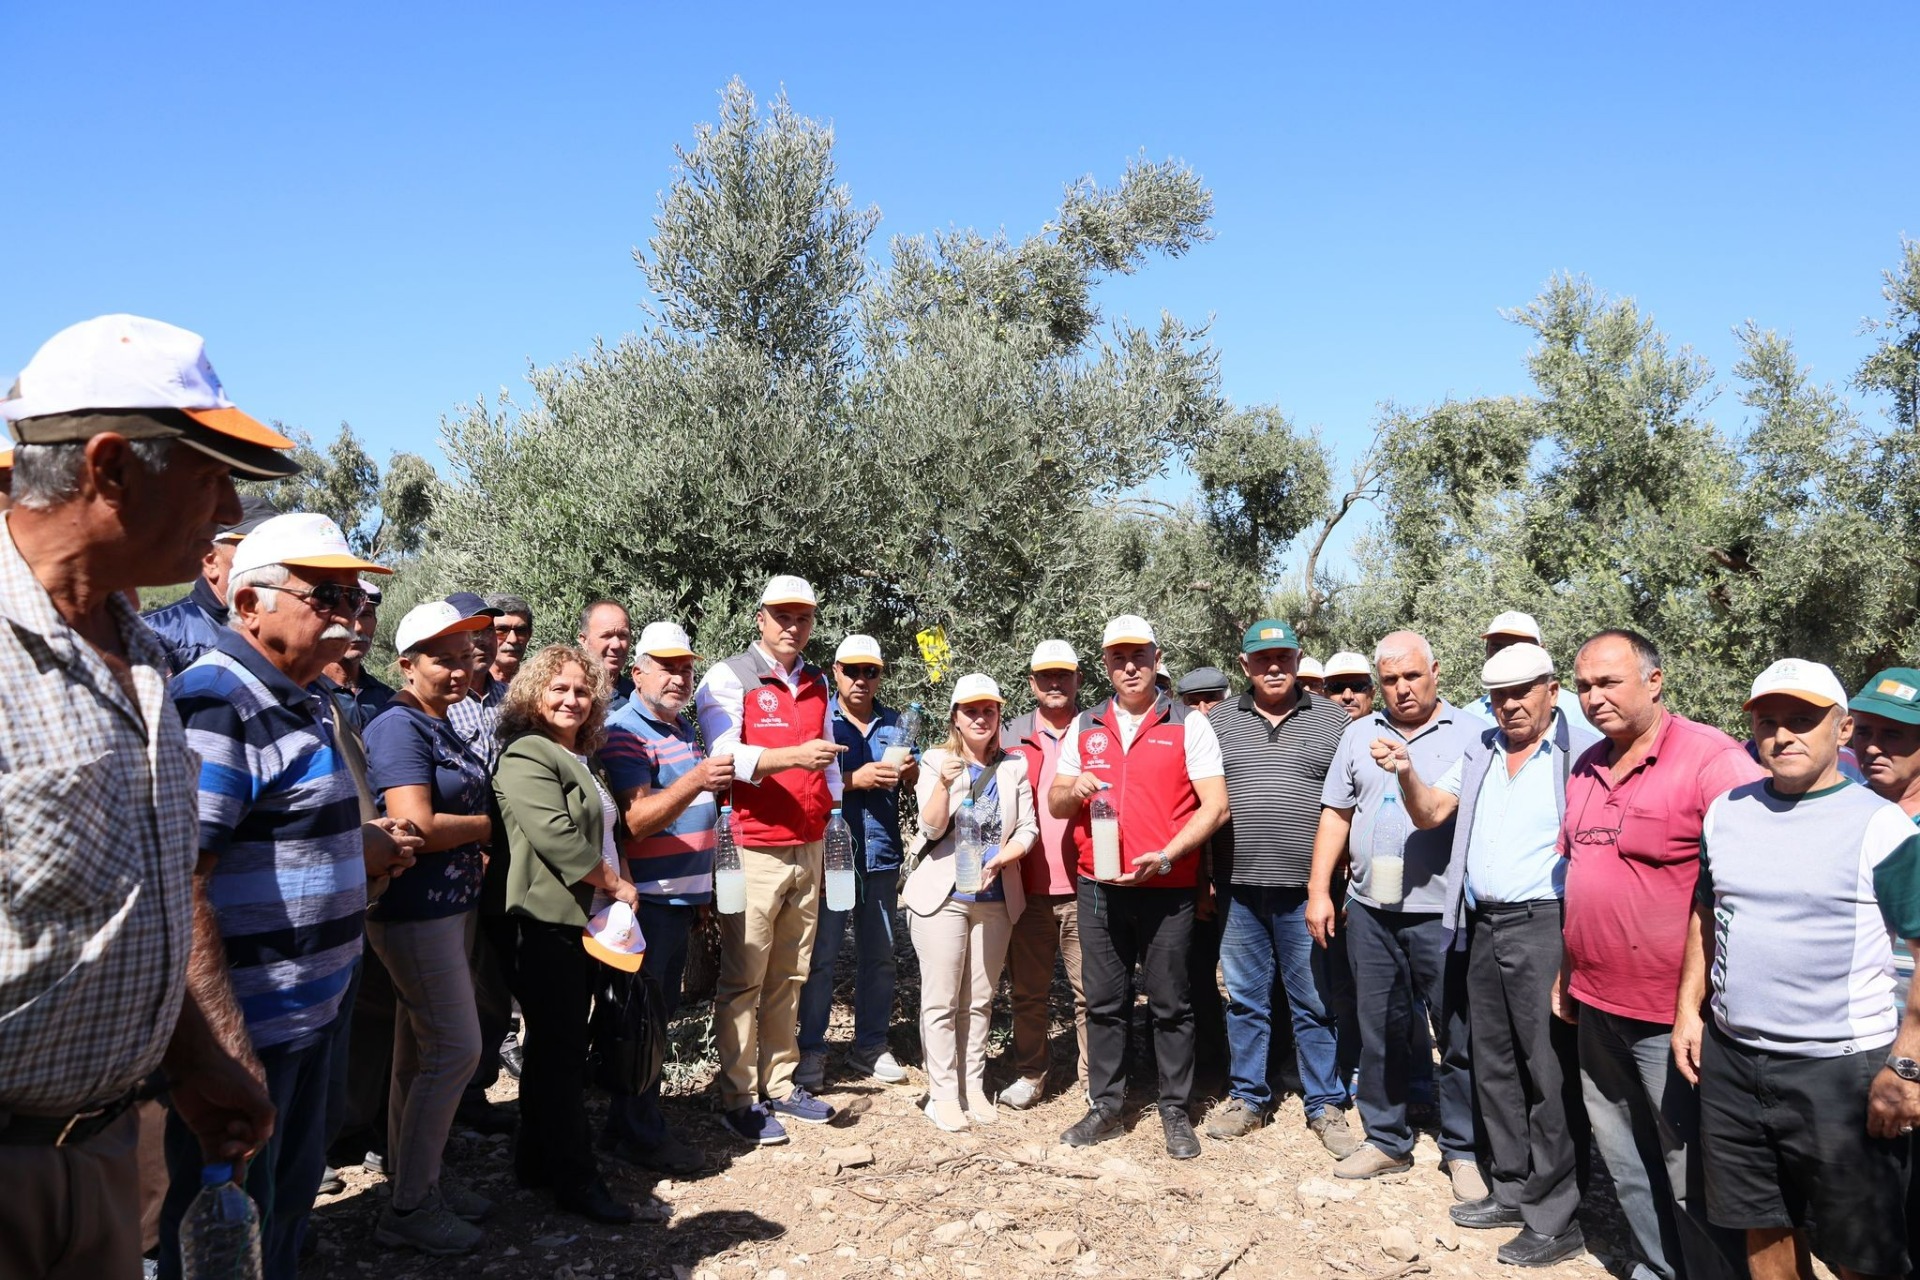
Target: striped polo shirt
x=675 y=864
x=279 y=813
x=1275 y=773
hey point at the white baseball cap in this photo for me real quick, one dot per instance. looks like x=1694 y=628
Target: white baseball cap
x=1347 y=663
x=1128 y=628
x=1808 y=681
x=975 y=688
x=432 y=620
x=302 y=540
x=1513 y=623
x=1054 y=655
x=122 y=362
x=665 y=640
x=1310 y=669
x=1516 y=664
x=859 y=648
x=784 y=588
x=613 y=936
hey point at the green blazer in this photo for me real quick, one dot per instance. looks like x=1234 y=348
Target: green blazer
x=551 y=811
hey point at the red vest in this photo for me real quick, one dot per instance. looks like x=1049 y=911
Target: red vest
x=1147 y=783
x=789 y=807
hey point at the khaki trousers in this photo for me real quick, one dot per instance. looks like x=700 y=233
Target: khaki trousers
x=72 y=1213
x=1050 y=923
x=764 y=954
x=962 y=948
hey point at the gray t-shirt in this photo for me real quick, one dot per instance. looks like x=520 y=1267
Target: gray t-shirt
x=1801 y=958
x=1380 y=819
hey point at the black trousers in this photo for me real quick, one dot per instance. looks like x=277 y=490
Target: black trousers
x=363 y=1067
x=1121 y=926
x=552 y=976
x=1396 y=956
x=1526 y=1066
x=493 y=1001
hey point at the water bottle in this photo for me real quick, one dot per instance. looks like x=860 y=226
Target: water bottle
x=220 y=1236
x=968 y=848
x=1387 y=865
x=729 y=878
x=906 y=737
x=1106 y=838
x=839 y=860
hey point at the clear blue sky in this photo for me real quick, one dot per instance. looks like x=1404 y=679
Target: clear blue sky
x=377 y=212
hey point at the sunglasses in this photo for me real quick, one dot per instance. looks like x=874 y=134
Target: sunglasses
x=1349 y=686
x=864 y=671
x=512 y=629
x=329 y=597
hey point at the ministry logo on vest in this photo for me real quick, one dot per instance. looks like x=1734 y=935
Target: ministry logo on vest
x=768 y=701
x=1097 y=743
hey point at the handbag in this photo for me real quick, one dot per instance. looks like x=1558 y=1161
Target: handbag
x=629 y=1031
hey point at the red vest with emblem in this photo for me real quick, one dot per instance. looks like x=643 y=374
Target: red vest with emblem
x=789 y=807
x=1148 y=785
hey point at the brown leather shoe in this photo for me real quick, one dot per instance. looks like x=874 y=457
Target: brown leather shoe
x=1369 y=1161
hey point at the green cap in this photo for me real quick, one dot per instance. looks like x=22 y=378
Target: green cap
x=1269 y=633
x=1894 y=693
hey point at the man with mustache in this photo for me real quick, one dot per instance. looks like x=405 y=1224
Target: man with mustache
x=512 y=634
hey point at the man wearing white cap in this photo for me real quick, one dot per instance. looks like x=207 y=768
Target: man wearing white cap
x=1804 y=1112
x=1158 y=765
x=665 y=789
x=767 y=709
x=1349 y=682
x=871 y=807
x=98 y=789
x=1050 y=874
x=1515 y=627
x=1505 y=883
x=284 y=857
x=188 y=625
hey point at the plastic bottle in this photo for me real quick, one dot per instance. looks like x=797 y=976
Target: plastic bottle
x=1386 y=868
x=839 y=860
x=729 y=878
x=968 y=848
x=220 y=1235
x=1105 y=817
x=907 y=738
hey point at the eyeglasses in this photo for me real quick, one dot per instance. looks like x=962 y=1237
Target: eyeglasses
x=864 y=671
x=513 y=629
x=1597 y=835
x=1349 y=686
x=329 y=597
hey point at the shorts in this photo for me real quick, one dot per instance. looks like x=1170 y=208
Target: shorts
x=1785 y=1143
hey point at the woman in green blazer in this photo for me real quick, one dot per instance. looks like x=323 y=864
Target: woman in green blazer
x=560 y=825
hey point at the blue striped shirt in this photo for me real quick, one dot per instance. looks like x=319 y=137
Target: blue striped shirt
x=675 y=864
x=279 y=813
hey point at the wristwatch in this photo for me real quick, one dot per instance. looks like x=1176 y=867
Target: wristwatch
x=1166 y=869
x=1905 y=1068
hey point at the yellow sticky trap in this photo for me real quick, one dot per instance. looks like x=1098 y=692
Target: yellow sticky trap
x=934 y=651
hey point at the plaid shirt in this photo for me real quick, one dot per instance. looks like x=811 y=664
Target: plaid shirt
x=97 y=844
x=477 y=721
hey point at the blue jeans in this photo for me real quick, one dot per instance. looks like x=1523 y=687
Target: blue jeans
x=283 y=1178
x=639 y=1119
x=1266 y=929
x=873 y=982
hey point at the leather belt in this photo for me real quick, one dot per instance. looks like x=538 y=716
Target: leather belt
x=21 y=1130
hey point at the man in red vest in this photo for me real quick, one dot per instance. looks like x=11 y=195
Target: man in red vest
x=1158 y=766
x=767 y=708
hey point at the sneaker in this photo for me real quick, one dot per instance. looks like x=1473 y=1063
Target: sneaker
x=801 y=1105
x=512 y=1056
x=1022 y=1093
x=432 y=1228
x=947 y=1114
x=1531 y=1249
x=1369 y=1161
x=1468 y=1185
x=1182 y=1144
x=1236 y=1119
x=464 y=1203
x=1095 y=1126
x=754 y=1124
x=812 y=1071
x=1331 y=1127
x=331 y=1183
x=374 y=1162
x=880 y=1065
x=980 y=1108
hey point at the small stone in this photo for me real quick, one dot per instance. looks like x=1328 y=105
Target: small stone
x=989 y=1223
x=949 y=1233
x=1397 y=1243
x=1120 y=1167
x=850 y=1157
x=1447 y=1238
x=1191 y=1272
x=1322 y=1189
x=1267 y=1198
x=821 y=1197
x=778 y=1273
x=1057 y=1246
x=563 y=1272
x=903 y=1247
x=1089 y=1264
x=553 y=1242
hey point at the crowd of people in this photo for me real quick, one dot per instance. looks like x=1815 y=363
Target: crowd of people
x=286 y=911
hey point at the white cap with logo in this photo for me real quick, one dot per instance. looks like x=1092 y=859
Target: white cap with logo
x=859 y=648
x=665 y=640
x=785 y=588
x=1054 y=655
x=1128 y=628
x=1808 y=681
x=1516 y=664
x=1348 y=663
x=1310 y=669
x=975 y=688
x=302 y=540
x=432 y=620
x=1513 y=623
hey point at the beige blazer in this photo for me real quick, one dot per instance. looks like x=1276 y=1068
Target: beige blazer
x=931 y=883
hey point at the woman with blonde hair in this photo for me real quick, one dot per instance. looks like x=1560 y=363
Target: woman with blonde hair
x=560 y=823
x=961 y=938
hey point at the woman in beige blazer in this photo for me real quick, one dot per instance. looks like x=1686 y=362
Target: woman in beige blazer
x=961 y=938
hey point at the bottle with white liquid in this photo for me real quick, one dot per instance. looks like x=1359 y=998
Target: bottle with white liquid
x=839 y=863
x=968 y=848
x=906 y=737
x=1106 y=838
x=1387 y=867
x=729 y=877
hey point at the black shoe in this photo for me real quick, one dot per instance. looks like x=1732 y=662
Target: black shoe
x=486 y=1119
x=1095 y=1126
x=1182 y=1144
x=1531 y=1249
x=596 y=1202
x=512 y=1057
x=670 y=1156
x=1485 y=1212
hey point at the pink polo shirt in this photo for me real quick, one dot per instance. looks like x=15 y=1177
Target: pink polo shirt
x=1634 y=845
x=1049 y=868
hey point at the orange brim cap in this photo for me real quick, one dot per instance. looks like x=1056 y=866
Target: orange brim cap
x=341 y=562
x=239 y=426
x=625 y=961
